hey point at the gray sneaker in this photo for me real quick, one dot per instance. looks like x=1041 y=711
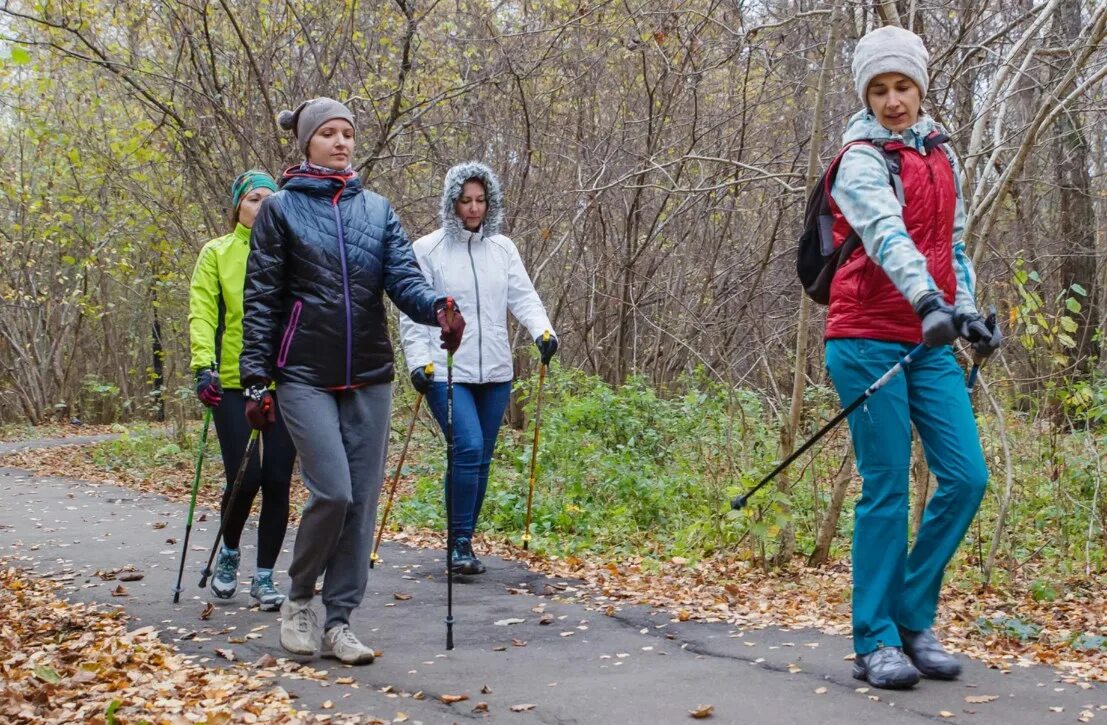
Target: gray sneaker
x=225 y=581
x=340 y=643
x=928 y=655
x=299 y=627
x=265 y=593
x=887 y=668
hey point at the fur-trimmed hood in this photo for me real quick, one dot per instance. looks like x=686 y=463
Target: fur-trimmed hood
x=451 y=192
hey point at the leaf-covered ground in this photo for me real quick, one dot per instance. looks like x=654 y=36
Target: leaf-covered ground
x=1003 y=628
x=65 y=663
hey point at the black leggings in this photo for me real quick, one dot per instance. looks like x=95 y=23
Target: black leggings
x=271 y=477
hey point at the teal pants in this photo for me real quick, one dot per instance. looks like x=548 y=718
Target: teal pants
x=892 y=586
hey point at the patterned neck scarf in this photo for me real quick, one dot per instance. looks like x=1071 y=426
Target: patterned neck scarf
x=309 y=168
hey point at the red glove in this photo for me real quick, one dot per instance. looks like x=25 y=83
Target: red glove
x=261 y=411
x=452 y=324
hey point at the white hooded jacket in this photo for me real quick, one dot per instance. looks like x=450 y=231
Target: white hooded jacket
x=485 y=275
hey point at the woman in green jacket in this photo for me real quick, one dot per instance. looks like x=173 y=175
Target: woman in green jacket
x=215 y=327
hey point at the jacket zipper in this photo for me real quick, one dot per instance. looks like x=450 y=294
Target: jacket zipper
x=480 y=327
x=345 y=288
x=289 y=332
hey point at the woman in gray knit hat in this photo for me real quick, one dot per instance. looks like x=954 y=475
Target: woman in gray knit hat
x=324 y=251
x=482 y=268
x=908 y=281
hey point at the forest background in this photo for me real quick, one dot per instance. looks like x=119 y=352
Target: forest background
x=655 y=157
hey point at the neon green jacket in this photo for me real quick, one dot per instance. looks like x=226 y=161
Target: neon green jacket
x=215 y=305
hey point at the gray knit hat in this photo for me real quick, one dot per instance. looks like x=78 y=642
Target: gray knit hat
x=890 y=50
x=310 y=115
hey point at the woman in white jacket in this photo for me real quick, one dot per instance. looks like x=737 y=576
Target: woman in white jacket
x=484 y=273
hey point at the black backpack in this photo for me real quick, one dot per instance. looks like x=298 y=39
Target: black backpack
x=817 y=258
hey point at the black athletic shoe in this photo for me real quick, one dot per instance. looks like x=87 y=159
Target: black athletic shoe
x=928 y=655
x=464 y=561
x=887 y=668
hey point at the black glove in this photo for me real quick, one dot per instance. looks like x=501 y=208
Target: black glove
x=261 y=412
x=547 y=346
x=208 y=389
x=421 y=378
x=938 y=327
x=987 y=341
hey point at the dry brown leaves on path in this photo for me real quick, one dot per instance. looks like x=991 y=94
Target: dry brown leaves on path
x=65 y=663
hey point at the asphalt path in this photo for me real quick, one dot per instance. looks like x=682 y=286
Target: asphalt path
x=573 y=663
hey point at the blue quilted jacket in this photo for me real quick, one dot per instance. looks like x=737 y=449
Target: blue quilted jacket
x=323 y=251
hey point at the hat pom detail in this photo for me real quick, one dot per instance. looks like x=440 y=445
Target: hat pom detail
x=286 y=120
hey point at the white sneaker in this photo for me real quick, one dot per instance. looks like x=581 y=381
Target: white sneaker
x=340 y=643
x=299 y=627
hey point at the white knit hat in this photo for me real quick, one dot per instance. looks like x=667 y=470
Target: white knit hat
x=890 y=50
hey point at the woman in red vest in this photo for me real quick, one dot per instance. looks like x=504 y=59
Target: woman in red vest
x=910 y=282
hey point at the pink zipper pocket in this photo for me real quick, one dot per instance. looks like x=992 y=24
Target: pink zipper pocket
x=286 y=341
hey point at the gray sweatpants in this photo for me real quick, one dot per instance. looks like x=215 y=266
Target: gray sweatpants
x=342 y=439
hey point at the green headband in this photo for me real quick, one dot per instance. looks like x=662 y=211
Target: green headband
x=247 y=181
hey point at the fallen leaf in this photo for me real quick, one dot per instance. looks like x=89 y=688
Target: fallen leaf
x=547 y=618
x=508 y=621
x=327 y=705
x=47 y=674
x=400 y=717
x=820 y=690
x=519 y=642
x=132 y=576
x=980 y=699
x=684 y=615
x=1057 y=709
x=344 y=681
x=702 y=711
x=945 y=713
x=401 y=596
x=158 y=524
x=451 y=699
x=486 y=690
x=120 y=591
x=793 y=669
x=225 y=652
x=266 y=660
x=480 y=707
x=209 y=608
x=522 y=708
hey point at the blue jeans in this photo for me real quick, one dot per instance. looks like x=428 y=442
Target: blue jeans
x=894 y=588
x=478 y=412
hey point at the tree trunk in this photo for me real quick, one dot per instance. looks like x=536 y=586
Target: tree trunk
x=829 y=525
x=786 y=540
x=1077 y=217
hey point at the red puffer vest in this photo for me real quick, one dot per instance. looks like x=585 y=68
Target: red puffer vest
x=863 y=301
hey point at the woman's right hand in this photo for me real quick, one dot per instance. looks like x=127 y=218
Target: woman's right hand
x=208 y=389
x=451 y=323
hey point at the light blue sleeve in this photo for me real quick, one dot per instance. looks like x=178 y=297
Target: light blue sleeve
x=962 y=263
x=866 y=198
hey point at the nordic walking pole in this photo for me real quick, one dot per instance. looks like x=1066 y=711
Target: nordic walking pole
x=534 y=448
x=739 y=502
x=192 y=503
x=429 y=370
x=251 y=446
x=449 y=483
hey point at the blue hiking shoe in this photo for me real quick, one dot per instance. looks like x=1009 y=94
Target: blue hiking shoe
x=265 y=593
x=225 y=581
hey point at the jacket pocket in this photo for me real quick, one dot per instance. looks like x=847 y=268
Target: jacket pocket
x=289 y=333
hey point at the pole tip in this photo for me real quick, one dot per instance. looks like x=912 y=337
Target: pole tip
x=739 y=502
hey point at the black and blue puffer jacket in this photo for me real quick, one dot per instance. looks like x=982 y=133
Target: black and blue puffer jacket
x=323 y=250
